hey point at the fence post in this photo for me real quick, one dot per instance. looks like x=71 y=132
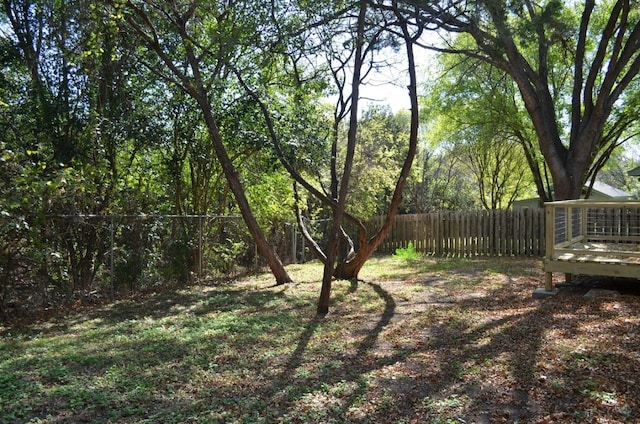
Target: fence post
x=199 y=247
x=294 y=242
x=111 y=262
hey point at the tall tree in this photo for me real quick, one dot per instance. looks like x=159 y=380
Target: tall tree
x=582 y=120
x=363 y=30
x=474 y=110
x=408 y=35
x=69 y=118
x=193 y=46
x=348 y=38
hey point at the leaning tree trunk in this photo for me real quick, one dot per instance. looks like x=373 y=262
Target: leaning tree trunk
x=192 y=83
x=199 y=93
x=264 y=248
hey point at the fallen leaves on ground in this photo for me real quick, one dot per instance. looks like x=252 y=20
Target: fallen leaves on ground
x=434 y=340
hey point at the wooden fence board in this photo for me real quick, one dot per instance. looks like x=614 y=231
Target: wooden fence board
x=474 y=233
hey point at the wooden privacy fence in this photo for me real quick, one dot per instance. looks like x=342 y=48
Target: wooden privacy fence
x=474 y=233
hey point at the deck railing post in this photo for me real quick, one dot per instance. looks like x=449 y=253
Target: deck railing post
x=550 y=223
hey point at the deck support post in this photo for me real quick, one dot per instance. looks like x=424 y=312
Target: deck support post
x=548 y=281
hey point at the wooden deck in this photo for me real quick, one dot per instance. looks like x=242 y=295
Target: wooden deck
x=592 y=238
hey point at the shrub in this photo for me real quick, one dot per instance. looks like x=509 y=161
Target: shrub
x=408 y=252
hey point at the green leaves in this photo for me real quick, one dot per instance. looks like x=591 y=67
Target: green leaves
x=474 y=113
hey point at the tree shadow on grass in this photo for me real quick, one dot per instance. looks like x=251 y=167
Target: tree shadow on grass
x=477 y=359
x=353 y=365
x=136 y=356
x=497 y=370
x=500 y=368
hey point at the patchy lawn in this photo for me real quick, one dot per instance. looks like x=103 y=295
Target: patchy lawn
x=424 y=341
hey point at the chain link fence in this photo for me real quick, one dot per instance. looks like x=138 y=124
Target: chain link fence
x=57 y=260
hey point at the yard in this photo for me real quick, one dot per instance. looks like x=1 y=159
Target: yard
x=431 y=340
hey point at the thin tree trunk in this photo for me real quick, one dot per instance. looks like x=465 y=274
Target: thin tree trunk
x=339 y=211
x=350 y=269
x=264 y=248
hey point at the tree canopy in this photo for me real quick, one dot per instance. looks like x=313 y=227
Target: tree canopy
x=575 y=65
x=473 y=110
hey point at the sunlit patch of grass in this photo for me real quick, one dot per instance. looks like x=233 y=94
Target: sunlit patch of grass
x=604 y=397
x=440 y=406
x=446 y=409
x=133 y=357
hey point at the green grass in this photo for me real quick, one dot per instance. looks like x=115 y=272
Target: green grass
x=430 y=340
